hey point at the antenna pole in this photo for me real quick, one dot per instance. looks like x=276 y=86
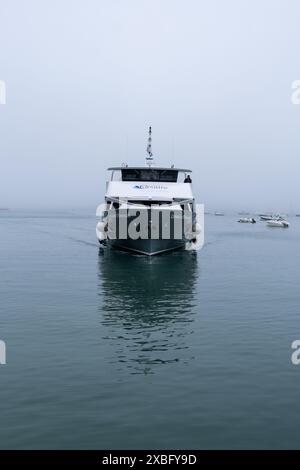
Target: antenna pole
x=149 y=158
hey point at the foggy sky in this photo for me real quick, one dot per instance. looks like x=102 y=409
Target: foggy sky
x=85 y=79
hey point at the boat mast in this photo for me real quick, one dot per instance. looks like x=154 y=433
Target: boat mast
x=149 y=158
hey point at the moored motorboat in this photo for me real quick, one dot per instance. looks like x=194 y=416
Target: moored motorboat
x=272 y=217
x=247 y=220
x=278 y=223
x=266 y=217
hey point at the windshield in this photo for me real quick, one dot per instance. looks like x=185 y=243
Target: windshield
x=131 y=174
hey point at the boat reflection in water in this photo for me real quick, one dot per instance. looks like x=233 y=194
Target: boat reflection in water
x=147 y=307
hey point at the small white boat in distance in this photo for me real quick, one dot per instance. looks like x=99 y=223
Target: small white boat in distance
x=219 y=213
x=247 y=220
x=278 y=223
x=266 y=217
x=272 y=217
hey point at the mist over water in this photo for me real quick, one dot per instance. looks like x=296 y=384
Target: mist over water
x=84 y=80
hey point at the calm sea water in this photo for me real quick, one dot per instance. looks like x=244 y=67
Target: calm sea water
x=184 y=350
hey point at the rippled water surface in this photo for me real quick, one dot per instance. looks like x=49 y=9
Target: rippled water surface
x=184 y=350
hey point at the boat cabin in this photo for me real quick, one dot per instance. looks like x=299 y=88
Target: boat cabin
x=150 y=174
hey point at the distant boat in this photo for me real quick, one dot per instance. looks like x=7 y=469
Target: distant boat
x=219 y=213
x=278 y=223
x=247 y=220
x=266 y=216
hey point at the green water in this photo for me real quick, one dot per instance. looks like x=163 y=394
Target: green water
x=108 y=350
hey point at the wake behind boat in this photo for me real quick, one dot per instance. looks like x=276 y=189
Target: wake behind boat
x=149 y=210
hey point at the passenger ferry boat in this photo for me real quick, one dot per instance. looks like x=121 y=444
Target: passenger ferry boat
x=148 y=210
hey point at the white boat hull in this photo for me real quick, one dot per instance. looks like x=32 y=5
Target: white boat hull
x=278 y=223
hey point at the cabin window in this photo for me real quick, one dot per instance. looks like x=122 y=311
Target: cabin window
x=151 y=174
x=116 y=175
